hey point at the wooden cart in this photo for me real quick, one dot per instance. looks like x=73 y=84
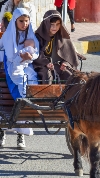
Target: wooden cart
x=36 y=109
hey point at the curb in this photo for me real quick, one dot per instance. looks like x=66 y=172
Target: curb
x=84 y=47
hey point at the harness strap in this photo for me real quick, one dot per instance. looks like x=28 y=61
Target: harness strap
x=55 y=102
x=45 y=126
x=68 y=112
x=66 y=108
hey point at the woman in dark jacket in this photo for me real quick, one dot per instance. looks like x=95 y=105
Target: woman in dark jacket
x=57 y=54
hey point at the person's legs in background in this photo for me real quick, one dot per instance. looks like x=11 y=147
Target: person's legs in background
x=71 y=17
x=59 y=9
x=70 y=14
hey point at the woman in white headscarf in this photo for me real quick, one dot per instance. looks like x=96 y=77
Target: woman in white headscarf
x=11 y=5
x=19 y=30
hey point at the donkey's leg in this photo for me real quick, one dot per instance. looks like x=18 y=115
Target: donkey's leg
x=77 y=158
x=95 y=160
x=75 y=141
x=93 y=135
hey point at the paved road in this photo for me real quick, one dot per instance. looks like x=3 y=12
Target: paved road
x=92 y=63
x=46 y=156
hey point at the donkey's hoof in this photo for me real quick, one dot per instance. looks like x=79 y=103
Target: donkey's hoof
x=79 y=172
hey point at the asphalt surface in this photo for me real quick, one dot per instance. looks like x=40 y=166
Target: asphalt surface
x=92 y=63
x=46 y=156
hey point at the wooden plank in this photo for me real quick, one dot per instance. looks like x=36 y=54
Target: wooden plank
x=1 y=64
x=2 y=75
x=6 y=108
x=4 y=90
x=32 y=111
x=35 y=114
x=48 y=115
x=2 y=71
x=5 y=96
x=33 y=125
x=39 y=91
x=3 y=84
x=6 y=102
x=45 y=115
x=47 y=118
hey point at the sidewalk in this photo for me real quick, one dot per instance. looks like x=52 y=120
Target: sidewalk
x=86 y=37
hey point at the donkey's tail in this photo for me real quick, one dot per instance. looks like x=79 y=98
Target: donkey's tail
x=84 y=147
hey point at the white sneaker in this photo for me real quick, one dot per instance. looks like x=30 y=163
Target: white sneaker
x=2 y=137
x=20 y=141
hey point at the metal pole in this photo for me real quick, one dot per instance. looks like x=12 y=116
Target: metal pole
x=64 y=14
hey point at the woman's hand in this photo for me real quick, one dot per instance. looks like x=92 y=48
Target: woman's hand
x=50 y=66
x=63 y=66
x=26 y=56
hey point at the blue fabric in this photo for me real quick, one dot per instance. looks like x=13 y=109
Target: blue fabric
x=12 y=87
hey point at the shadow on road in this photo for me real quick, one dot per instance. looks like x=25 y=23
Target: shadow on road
x=45 y=133
x=10 y=157
x=89 y=38
x=24 y=174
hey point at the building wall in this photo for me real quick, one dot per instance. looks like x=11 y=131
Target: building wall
x=41 y=7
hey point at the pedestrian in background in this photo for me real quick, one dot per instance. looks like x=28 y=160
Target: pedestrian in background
x=11 y=5
x=2 y=2
x=70 y=10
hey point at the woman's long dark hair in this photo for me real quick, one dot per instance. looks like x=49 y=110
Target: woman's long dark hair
x=17 y=33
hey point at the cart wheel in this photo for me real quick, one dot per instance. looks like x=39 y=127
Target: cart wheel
x=68 y=140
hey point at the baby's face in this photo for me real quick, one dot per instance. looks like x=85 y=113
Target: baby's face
x=29 y=43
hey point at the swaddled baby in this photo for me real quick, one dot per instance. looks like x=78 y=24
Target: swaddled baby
x=30 y=48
